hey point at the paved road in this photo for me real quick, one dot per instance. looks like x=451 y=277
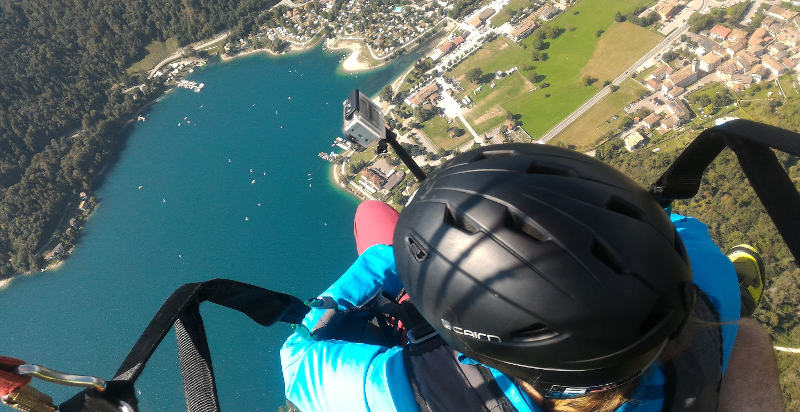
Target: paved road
x=179 y=52
x=469 y=127
x=606 y=90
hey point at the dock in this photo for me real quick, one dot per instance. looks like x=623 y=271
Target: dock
x=331 y=157
x=342 y=144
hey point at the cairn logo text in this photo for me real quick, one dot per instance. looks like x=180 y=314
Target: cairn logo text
x=472 y=334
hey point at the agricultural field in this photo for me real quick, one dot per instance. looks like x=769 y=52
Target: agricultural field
x=499 y=54
x=586 y=132
x=487 y=112
x=562 y=71
x=568 y=55
x=616 y=52
x=156 y=51
x=436 y=130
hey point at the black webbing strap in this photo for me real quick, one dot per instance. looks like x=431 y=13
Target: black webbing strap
x=752 y=143
x=181 y=309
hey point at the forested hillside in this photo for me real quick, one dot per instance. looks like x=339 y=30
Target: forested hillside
x=734 y=215
x=62 y=106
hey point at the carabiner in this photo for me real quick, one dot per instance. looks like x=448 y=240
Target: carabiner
x=61 y=378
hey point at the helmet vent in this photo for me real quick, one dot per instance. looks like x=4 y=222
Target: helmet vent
x=525 y=226
x=540 y=169
x=606 y=256
x=416 y=249
x=536 y=332
x=460 y=222
x=489 y=154
x=622 y=207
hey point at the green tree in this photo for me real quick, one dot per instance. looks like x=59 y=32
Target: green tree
x=474 y=75
x=670 y=56
x=387 y=93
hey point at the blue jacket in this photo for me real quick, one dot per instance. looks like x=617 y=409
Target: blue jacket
x=332 y=375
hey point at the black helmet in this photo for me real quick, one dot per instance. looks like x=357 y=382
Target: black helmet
x=545 y=264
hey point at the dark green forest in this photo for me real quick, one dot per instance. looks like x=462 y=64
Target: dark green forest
x=734 y=215
x=62 y=107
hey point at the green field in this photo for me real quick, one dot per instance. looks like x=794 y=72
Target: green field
x=436 y=130
x=789 y=86
x=488 y=112
x=499 y=54
x=616 y=52
x=586 y=132
x=156 y=51
x=505 y=14
x=568 y=55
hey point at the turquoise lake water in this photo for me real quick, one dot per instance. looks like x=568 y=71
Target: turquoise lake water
x=197 y=217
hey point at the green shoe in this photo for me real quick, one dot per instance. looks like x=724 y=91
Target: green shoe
x=750 y=271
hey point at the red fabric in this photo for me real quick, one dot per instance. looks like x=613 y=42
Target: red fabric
x=10 y=382
x=374 y=224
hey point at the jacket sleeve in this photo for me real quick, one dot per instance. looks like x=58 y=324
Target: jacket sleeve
x=335 y=375
x=713 y=272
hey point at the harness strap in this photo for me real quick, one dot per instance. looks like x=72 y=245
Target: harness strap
x=181 y=309
x=693 y=361
x=752 y=143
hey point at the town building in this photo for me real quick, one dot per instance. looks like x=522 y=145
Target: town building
x=773 y=65
x=780 y=13
x=523 y=29
x=745 y=60
x=789 y=36
x=661 y=72
x=667 y=9
x=709 y=62
x=733 y=46
x=393 y=180
x=756 y=50
x=633 y=140
x=759 y=37
x=668 y=123
x=675 y=92
x=758 y=72
x=726 y=70
x=548 y=12
x=373 y=176
x=382 y=166
x=53 y=253
x=678 y=109
x=684 y=77
x=651 y=120
x=706 y=45
x=423 y=94
x=742 y=80
x=481 y=17
x=719 y=32
x=737 y=33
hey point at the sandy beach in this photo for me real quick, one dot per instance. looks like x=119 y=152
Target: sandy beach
x=226 y=57
x=352 y=62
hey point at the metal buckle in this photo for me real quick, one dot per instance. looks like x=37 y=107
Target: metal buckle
x=414 y=340
x=61 y=378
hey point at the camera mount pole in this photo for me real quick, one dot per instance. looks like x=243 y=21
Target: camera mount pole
x=391 y=138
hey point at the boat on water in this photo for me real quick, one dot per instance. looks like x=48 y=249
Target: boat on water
x=327 y=156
